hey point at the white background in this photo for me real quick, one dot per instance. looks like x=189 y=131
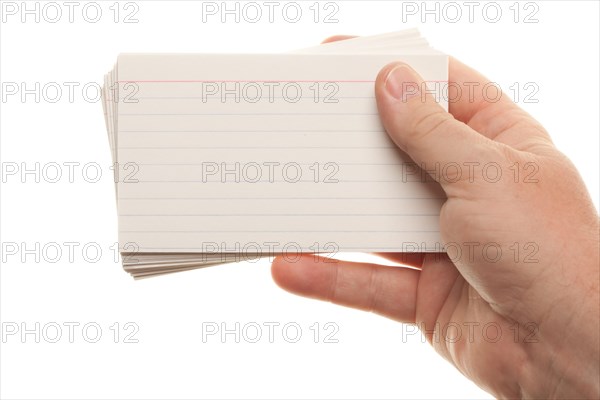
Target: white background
x=373 y=357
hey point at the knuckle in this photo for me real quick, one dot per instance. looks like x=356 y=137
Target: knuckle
x=429 y=124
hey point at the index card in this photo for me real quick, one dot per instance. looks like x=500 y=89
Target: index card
x=227 y=154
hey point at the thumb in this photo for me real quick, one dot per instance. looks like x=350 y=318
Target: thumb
x=424 y=130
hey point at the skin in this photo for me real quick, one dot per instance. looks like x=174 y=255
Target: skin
x=543 y=296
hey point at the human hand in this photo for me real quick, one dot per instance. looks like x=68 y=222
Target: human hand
x=540 y=292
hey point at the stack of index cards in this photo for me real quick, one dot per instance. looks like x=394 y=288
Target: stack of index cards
x=232 y=157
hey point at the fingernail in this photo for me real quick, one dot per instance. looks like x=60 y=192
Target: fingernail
x=402 y=82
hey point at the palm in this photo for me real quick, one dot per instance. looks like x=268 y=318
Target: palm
x=462 y=326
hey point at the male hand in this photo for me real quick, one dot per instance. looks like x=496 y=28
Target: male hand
x=521 y=278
